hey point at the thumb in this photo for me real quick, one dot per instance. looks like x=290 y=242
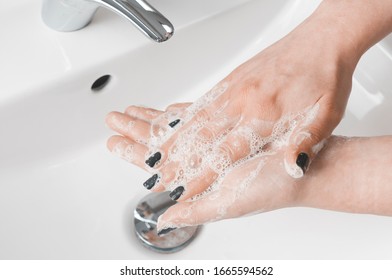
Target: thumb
x=308 y=138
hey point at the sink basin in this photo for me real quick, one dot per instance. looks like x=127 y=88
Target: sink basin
x=64 y=196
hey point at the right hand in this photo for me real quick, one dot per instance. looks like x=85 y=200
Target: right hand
x=303 y=77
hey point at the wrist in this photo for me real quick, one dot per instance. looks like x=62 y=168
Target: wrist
x=338 y=179
x=314 y=189
x=332 y=39
x=352 y=27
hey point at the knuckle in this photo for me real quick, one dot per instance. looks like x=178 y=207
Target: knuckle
x=251 y=85
x=177 y=106
x=335 y=117
x=203 y=115
x=131 y=109
x=207 y=133
x=333 y=114
x=317 y=134
x=227 y=152
x=171 y=107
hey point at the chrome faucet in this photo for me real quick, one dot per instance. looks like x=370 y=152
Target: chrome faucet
x=71 y=15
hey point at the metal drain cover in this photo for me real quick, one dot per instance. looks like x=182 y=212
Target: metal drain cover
x=146 y=215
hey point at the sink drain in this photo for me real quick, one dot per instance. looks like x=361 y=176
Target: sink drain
x=146 y=215
x=100 y=83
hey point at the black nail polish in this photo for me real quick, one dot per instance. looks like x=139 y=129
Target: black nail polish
x=176 y=193
x=166 y=230
x=303 y=161
x=174 y=123
x=151 y=182
x=152 y=160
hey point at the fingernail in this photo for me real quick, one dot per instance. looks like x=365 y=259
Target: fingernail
x=151 y=182
x=174 y=123
x=166 y=230
x=176 y=193
x=303 y=161
x=152 y=160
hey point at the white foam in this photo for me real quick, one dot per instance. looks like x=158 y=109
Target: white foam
x=151 y=113
x=319 y=146
x=124 y=150
x=124 y=126
x=311 y=114
x=300 y=137
x=293 y=170
x=196 y=153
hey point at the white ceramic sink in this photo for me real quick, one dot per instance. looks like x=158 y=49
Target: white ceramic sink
x=64 y=196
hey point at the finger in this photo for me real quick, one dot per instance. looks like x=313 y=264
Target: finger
x=198 y=169
x=165 y=125
x=181 y=138
x=135 y=129
x=175 y=113
x=194 y=166
x=164 y=177
x=194 y=161
x=196 y=116
x=178 y=106
x=219 y=204
x=192 y=213
x=189 y=188
x=239 y=143
x=143 y=113
x=186 y=171
x=309 y=137
x=150 y=114
x=239 y=193
x=128 y=150
x=165 y=138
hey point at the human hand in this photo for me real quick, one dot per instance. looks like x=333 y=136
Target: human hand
x=284 y=101
x=284 y=97
x=206 y=154
x=218 y=189
x=260 y=183
x=302 y=83
x=280 y=81
x=257 y=185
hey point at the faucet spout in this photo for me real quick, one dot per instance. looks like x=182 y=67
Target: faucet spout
x=147 y=19
x=71 y=15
